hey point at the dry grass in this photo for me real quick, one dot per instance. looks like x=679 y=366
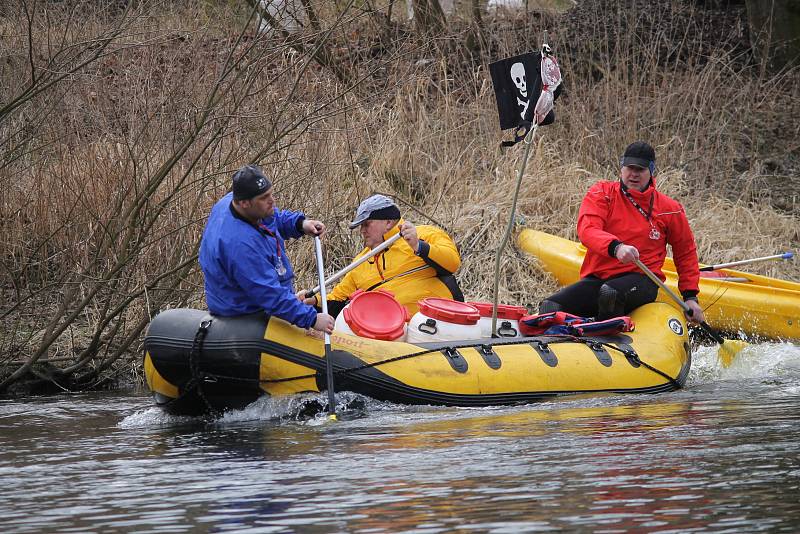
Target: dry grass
x=97 y=217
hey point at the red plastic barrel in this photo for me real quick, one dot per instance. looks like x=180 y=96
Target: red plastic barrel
x=376 y=315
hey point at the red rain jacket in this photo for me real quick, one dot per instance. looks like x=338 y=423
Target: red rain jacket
x=607 y=215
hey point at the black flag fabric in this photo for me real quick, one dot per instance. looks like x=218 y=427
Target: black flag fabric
x=517 y=85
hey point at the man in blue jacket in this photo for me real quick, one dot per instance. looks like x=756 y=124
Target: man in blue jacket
x=243 y=256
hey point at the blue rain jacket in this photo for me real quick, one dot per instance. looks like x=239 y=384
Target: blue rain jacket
x=240 y=265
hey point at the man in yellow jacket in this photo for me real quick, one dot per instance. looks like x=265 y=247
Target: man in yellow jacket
x=419 y=265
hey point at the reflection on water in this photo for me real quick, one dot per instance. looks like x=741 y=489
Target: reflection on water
x=720 y=455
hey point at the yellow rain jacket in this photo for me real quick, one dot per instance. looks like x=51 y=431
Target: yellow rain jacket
x=437 y=252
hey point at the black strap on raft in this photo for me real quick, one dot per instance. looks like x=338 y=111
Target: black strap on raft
x=633 y=358
x=196 y=382
x=625 y=350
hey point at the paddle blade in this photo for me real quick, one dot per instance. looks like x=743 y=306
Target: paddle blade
x=728 y=351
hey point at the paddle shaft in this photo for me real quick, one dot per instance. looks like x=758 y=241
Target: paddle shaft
x=510 y=226
x=400 y=275
x=328 y=363
x=334 y=277
x=784 y=256
x=679 y=301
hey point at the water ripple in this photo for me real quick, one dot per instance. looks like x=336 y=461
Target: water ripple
x=676 y=462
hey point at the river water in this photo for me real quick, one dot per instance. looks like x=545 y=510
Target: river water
x=721 y=455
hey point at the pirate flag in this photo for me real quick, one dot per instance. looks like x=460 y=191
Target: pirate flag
x=525 y=88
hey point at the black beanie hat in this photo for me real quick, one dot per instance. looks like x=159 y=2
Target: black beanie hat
x=249 y=182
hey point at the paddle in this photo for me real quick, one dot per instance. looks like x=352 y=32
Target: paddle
x=784 y=256
x=728 y=347
x=383 y=246
x=328 y=363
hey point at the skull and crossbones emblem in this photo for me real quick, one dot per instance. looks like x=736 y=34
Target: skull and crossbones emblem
x=521 y=82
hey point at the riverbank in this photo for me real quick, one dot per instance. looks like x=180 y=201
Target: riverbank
x=110 y=171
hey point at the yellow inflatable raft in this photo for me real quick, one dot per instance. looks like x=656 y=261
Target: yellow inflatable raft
x=196 y=363
x=755 y=305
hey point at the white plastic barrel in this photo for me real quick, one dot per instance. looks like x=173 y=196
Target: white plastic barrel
x=508 y=317
x=441 y=319
x=341 y=325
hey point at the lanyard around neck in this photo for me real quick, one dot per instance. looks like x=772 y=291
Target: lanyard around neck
x=647 y=215
x=266 y=232
x=261 y=228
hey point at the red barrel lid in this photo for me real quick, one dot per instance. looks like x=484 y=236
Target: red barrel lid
x=376 y=315
x=504 y=311
x=449 y=310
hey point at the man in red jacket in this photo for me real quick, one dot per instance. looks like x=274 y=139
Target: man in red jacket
x=622 y=221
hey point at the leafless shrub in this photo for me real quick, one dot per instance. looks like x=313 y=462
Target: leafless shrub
x=121 y=127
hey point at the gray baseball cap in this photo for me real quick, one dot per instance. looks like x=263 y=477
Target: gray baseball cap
x=375 y=207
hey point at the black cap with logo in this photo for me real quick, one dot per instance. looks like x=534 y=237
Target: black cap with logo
x=639 y=154
x=249 y=182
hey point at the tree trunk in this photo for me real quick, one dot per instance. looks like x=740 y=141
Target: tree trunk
x=477 y=13
x=775 y=26
x=429 y=17
x=319 y=50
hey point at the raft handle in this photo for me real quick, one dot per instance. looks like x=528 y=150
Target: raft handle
x=428 y=327
x=506 y=330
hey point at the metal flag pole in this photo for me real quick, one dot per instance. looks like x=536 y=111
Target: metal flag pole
x=551 y=78
x=510 y=227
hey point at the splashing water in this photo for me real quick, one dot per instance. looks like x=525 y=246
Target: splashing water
x=761 y=362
